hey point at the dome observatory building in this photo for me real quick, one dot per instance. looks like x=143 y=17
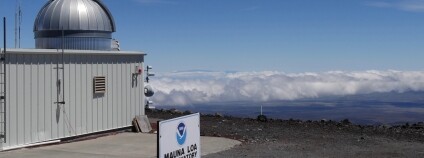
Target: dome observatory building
x=75 y=82
x=74 y=24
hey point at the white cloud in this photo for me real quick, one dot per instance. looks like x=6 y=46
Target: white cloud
x=406 y=5
x=186 y=88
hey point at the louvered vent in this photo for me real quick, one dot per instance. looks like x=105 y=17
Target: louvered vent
x=99 y=84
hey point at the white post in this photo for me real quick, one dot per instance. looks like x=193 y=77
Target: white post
x=261 y=109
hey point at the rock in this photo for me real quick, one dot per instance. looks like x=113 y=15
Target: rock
x=346 y=122
x=175 y=111
x=419 y=125
x=171 y=110
x=385 y=126
x=262 y=118
x=149 y=110
x=187 y=112
x=216 y=135
x=218 y=115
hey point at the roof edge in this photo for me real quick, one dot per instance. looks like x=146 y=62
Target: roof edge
x=70 y=51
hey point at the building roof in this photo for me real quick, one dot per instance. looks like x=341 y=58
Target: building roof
x=70 y=51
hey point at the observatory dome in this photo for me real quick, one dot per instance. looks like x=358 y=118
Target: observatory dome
x=74 y=24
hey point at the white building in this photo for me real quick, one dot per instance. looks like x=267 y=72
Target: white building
x=73 y=83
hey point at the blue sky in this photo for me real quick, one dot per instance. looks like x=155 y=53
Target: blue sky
x=262 y=35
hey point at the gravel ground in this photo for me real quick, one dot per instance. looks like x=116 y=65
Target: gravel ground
x=295 y=138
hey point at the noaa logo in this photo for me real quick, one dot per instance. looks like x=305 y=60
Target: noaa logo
x=181 y=133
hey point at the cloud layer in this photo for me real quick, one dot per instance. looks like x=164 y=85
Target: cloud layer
x=187 y=88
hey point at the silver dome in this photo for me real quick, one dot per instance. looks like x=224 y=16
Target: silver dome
x=74 y=24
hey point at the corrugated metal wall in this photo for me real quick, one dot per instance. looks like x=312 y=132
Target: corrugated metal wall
x=33 y=116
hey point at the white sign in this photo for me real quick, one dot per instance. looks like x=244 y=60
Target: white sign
x=179 y=137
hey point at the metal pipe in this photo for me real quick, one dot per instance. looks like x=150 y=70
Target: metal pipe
x=58 y=84
x=63 y=67
x=16 y=26
x=4 y=75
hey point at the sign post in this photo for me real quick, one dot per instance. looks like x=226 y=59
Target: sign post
x=179 y=137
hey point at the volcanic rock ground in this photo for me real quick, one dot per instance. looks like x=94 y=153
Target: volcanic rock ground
x=295 y=138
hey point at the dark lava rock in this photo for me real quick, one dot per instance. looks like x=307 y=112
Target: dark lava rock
x=260 y=129
x=346 y=122
x=262 y=118
x=175 y=111
x=218 y=115
x=187 y=112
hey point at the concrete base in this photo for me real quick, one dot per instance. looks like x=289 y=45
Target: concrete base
x=126 y=145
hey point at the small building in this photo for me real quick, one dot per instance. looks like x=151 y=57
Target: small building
x=73 y=83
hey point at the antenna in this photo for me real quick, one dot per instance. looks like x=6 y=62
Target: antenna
x=18 y=23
